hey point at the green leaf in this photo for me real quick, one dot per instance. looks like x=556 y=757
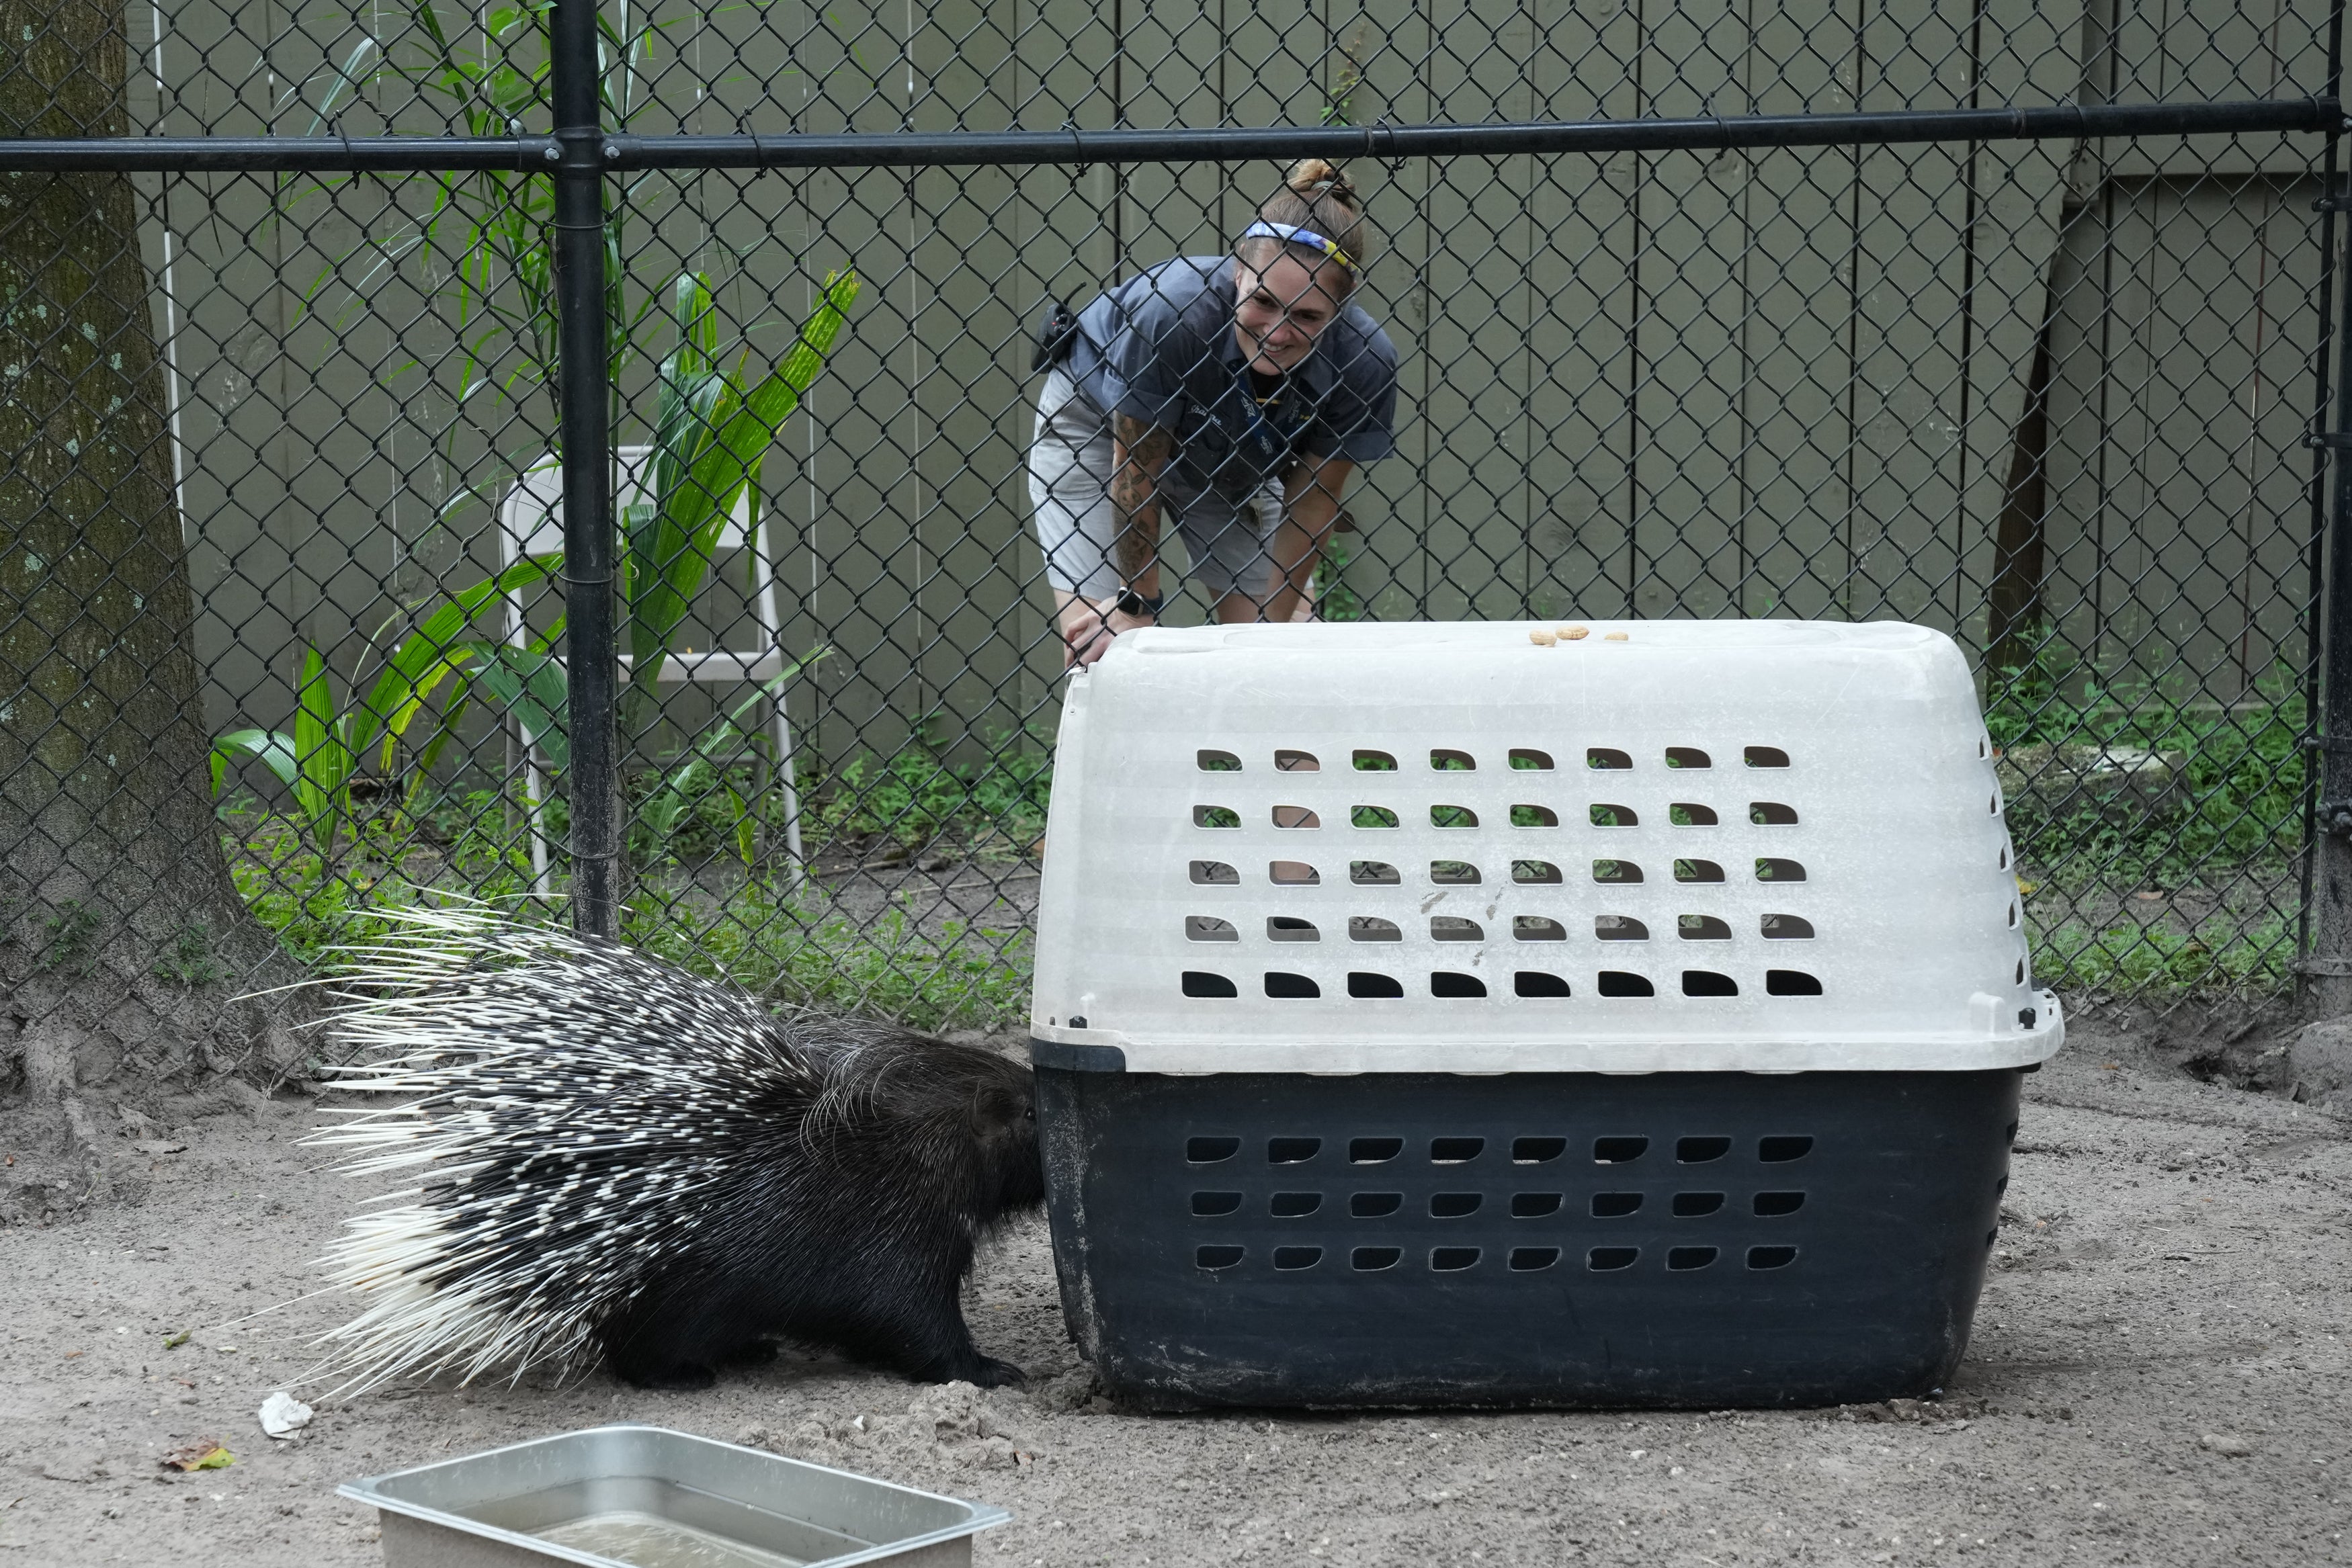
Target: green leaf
x=530 y=685
x=773 y=686
x=273 y=746
x=747 y=826
x=452 y=716
x=707 y=448
x=322 y=760
x=431 y=653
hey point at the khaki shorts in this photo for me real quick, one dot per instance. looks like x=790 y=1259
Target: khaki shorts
x=1226 y=539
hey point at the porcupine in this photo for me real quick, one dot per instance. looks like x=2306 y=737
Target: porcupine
x=627 y=1163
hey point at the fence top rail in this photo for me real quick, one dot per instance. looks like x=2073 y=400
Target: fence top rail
x=754 y=150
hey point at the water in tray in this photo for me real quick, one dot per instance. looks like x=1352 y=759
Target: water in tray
x=643 y=1540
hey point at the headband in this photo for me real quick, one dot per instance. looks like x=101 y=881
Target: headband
x=1307 y=237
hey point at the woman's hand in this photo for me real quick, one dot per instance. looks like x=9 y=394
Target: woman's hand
x=1088 y=626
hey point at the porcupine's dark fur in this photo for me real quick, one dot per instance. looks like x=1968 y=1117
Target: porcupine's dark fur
x=626 y=1162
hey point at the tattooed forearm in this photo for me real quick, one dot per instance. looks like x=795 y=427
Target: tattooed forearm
x=1139 y=452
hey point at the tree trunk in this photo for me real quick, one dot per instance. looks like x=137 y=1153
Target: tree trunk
x=123 y=940
x=2013 y=628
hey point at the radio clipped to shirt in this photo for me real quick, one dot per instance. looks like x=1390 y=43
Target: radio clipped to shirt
x=1056 y=333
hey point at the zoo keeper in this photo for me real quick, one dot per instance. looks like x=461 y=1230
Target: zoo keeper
x=1233 y=394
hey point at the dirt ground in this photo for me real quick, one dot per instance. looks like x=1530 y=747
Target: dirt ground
x=2157 y=1376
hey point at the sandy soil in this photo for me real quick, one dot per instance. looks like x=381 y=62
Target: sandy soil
x=2157 y=1378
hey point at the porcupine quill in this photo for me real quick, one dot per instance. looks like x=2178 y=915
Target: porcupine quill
x=622 y=1163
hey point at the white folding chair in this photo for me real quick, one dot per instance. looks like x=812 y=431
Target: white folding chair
x=531 y=523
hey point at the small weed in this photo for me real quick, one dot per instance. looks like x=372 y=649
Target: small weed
x=1334 y=599
x=69 y=941
x=190 y=958
x=2241 y=796
x=919 y=796
x=2219 y=956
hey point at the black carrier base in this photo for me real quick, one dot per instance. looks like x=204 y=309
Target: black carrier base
x=1698 y=1239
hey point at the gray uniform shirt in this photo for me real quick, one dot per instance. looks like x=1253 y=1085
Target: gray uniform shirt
x=1160 y=348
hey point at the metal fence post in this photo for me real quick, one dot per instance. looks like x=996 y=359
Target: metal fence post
x=2327 y=965
x=590 y=644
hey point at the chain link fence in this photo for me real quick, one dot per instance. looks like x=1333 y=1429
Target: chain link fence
x=2052 y=387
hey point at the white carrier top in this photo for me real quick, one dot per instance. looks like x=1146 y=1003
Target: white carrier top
x=1767 y=846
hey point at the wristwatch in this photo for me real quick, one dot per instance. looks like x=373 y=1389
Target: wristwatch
x=1130 y=602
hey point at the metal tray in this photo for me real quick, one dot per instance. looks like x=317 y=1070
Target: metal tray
x=644 y=1496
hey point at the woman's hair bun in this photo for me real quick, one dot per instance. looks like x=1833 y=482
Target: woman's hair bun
x=1312 y=177
x=1314 y=195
